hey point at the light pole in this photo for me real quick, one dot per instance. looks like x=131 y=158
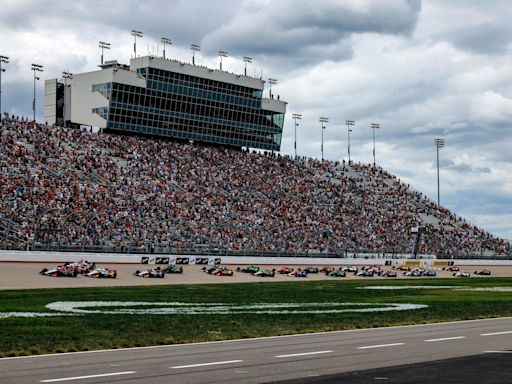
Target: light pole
x=439 y=143
x=374 y=127
x=195 y=48
x=246 y=60
x=135 y=34
x=36 y=68
x=165 y=41
x=103 y=45
x=66 y=76
x=221 y=55
x=349 y=123
x=296 y=116
x=3 y=60
x=322 y=121
x=270 y=82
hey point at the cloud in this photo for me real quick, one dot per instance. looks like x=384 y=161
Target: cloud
x=484 y=38
x=303 y=31
x=450 y=165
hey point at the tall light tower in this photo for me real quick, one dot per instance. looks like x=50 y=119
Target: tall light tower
x=322 y=121
x=221 y=55
x=36 y=68
x=270 y=82
x=66 y=76
x=296 y=116
x=439 y=143
x=135 y=34
x=3 y=60
x=350 y=124
x=195 y=48
x=103 y=45
x=165 y=40
x=374 y=126
x=246 y=60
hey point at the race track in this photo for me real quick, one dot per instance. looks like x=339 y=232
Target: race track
x=26 y=275
x=268 y=359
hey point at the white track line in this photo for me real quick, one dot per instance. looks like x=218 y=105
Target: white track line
x=87 y=377
x=495 y=333
x=206 y=364
x=497 y=351
x=380 y=346
x=304 y=354
x=255 y=339
x=445 y=339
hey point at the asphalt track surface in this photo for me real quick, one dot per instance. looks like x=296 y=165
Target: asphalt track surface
x=490 y=368
x=302 y=358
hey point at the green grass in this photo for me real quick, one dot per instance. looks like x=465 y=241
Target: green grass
x=22 y=336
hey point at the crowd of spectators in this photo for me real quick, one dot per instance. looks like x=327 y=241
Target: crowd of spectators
x=64 y=187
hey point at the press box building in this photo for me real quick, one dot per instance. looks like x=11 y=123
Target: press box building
x=163 y=97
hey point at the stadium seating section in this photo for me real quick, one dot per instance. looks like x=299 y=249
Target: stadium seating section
x=66 y=189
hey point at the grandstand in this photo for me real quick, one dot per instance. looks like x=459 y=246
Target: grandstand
x=71 y=189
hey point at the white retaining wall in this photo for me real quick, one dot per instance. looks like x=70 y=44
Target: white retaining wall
x=110 y=258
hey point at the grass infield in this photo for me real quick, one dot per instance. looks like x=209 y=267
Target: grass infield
x=27 y=336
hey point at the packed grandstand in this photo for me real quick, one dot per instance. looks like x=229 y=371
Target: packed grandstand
x=71 y=189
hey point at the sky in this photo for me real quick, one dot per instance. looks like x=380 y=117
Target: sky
x=421 y=69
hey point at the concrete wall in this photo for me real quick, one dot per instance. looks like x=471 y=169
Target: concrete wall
x=61 y=257
x=83 y=100
x=50 y=101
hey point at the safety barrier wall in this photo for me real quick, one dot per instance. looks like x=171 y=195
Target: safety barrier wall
x=112 y=258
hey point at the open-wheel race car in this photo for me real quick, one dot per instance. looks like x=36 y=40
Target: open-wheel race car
x=171 y=268
x=150 y=273
x=265 y=273
x=211 y=269
x=389 y=274
x=102 y=273
x=60 y=271
x=82 y=266
x=326 y=270
x=311 y=269
x=461 y=274
x=336 y=273
x=483 y=272
x=414 y=273
x=365 y=273
x=284 y=270
x=351 y=269
x=248 y=269
x=222 y=271
x=298 y=273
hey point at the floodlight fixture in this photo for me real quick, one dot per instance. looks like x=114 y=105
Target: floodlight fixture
x=103 y=45
x=439 y=143
x=165 y=41
x=270 y=82
x=296 y=116
x=3 y=60
x=136 y=34
x=349 y=124
x=323 y=121
x=374 y=126
x=246 y=60
x=195 y=48
x=221 y=55
x=36 y=68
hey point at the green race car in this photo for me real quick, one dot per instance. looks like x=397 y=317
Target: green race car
x=172 y=269
x=248 y=269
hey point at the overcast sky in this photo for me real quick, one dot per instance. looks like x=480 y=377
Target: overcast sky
x=422 y=69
